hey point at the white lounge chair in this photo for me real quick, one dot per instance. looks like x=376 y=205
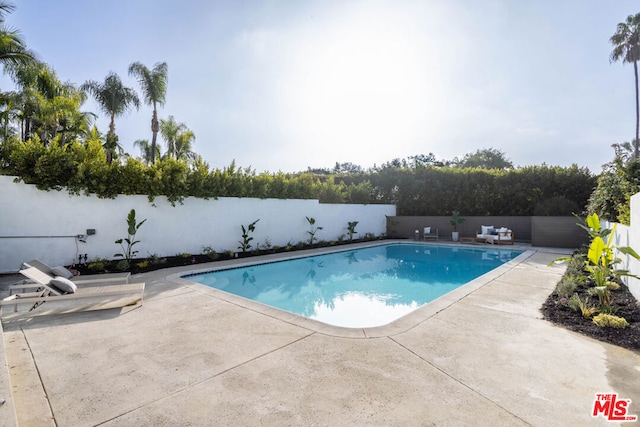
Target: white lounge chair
x=25 y=284
x=91 y=278
x=60 y=289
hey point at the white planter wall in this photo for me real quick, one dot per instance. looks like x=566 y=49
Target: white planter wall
x=37 y=218
x=630 y=236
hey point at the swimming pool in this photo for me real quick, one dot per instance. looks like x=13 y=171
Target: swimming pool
x=362 y=287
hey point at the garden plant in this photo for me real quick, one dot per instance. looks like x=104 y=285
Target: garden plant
x=591 y=297
x=127 y=251
x=245 y=244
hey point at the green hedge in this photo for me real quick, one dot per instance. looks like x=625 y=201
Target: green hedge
x=536 y=190
x=82 y=169
x=421 y=190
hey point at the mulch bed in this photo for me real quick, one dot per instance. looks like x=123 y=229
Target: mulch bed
x=628 y=308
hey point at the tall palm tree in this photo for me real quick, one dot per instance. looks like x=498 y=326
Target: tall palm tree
x=146 y=151
x=154 y=89
x=626 y=46
x=114 y=99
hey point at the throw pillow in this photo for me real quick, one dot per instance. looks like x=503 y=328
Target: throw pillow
x=61 y=271
x=65 y=285
x=486 y=229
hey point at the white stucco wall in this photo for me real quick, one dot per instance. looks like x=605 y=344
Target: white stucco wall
x=630 y=236
x=35 y=217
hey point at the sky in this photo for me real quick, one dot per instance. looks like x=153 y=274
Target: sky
x=283 y=85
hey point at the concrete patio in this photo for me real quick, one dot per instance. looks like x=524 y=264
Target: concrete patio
x=192 y=355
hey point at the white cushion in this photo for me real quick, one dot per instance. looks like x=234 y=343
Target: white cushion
x=65 y=285
x=486 y=229
x=504 y=230
x=62 y=272
x=427 y=230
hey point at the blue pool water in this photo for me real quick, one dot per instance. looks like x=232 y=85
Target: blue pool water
x=359 y=288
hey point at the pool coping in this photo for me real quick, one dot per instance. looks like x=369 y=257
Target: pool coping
x=400 y=325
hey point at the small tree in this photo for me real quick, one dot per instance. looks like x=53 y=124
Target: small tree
x=456 y=219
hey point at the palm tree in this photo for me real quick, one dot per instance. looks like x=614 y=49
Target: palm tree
x=626 y=46
x=170 y=129
x=28 y=78
x=45 y=104
x=77 y=124
x=146 y=151
x=13 y=49
x=9 y=110
x=179 y=139
x=625 y=152
x=183 y=142
x=59 y=109
x=114 y=99
x=154 y=88
x=94 y=134
x=112 y=148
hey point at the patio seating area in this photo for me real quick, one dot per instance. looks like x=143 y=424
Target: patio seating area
x=496 y=236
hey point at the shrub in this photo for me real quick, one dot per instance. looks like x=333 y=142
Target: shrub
x=154 y=259
x=566 y=287
x=583 y=306
x=210 y=252
x=607 y=320
x=98 y=264
x=612 y=286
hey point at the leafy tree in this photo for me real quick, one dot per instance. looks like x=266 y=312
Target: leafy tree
x=488 y=158
x=154 y=88
x=626 y=47
x=347 y=167
x=619 y=180
x=114 y=99
x=426 y=160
